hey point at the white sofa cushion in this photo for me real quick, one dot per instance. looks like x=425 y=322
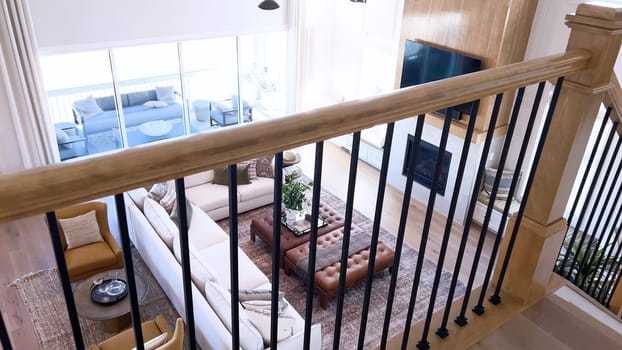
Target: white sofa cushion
x=261 y=320
x=161 y=222
x=138 y=196
x=260 y=187
x=209 y=196
x=202 y=233
x=199 y=178
x=220 y=300
x=216 y=259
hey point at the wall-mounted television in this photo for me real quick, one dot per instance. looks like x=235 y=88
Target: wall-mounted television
x=424 y=63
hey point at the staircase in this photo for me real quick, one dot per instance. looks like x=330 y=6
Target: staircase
x=564 y=320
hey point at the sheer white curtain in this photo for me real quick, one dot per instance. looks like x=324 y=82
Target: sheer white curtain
x=26 y=135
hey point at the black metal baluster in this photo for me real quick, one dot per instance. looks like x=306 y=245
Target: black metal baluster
x=315 y=213
x=423 y=344
x=519 y=164
x=532 y=172
x=587 y=257
x=403 y=217
x=64 y=279
x=276 y=248
x=442 y=330
x=354 y=159
x=479 y=307
x=591 y=290
x=582 y=185
x=606 y=227
x=586 y=205
x=5 y=340
x=184 y=242
x=233 y=256
x=461 y=319
x=466 y=146
x=129 y=269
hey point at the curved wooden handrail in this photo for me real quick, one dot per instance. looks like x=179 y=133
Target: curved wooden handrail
x=43 y=189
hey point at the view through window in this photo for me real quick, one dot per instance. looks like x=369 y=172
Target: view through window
x=124 y=97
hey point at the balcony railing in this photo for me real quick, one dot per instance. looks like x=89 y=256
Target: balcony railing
x=524 y=263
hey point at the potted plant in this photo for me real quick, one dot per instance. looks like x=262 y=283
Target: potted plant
x=294 y=194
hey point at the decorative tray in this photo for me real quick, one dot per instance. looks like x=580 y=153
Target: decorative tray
x=301 y=227
x=108 y=291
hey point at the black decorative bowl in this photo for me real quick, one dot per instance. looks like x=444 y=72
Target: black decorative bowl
x=109 y=291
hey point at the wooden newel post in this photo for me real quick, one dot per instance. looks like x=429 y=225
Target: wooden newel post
x=597 y=28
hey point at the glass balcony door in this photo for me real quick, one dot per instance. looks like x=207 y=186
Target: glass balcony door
x=81 y=99
x=149 y=92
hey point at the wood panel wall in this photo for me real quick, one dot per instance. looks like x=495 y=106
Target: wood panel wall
x=495 y=31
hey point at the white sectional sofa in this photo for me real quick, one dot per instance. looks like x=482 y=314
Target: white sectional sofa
x=156 y=238
x=214 y=199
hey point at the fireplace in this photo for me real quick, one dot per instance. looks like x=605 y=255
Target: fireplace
x=425 y=162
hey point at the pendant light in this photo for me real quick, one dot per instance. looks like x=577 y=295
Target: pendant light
x=268 y=5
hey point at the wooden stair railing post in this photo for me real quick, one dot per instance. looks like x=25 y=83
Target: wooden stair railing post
x=615 y=304
x=596 y=28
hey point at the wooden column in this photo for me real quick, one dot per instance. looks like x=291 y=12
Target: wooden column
x=596 y=28
x=615 y=304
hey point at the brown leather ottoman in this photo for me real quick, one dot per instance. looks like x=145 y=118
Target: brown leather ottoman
x=326 y=281
x=262 y=227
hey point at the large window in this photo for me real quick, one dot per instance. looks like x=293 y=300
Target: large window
x=124 y=97
x=81 y=94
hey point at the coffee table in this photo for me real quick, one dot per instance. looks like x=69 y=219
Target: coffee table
x=262 y=227
x=112 y=317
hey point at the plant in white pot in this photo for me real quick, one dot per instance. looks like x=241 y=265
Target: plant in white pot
x=294 y=195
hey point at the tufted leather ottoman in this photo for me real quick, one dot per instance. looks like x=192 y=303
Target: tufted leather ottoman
x=326 y=281
x=262 y=227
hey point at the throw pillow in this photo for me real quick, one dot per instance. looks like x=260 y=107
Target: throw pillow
x=81 y=230
x=158 y=191
x=175 y=215
x=258 y=294
x=169 y=201
x=161 y=222
x=165 y=93
x=220 y=300
x=252 y=168
x=263 y=305
x=221 y=175
x=87 y=107
x=154 y=343
x=264 y=167
x=155 y=104
x=261 y=321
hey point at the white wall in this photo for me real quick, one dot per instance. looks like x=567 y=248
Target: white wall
x=65 y=25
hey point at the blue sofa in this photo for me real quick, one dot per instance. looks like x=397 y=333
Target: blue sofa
x=134 y=110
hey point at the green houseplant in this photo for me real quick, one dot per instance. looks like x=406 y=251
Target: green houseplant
x=294 y=194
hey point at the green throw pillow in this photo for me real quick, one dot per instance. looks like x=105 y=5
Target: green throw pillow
x=221 y=175
x=175 y=215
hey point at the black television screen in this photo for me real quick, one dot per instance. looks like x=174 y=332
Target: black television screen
x=424 y=63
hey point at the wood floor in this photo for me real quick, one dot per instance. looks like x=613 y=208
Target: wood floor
x=25 y=245
x=555 y=323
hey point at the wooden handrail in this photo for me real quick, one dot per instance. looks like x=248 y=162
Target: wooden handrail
x=44 y=189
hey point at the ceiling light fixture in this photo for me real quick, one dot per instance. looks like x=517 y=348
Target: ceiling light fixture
x=268 y=5
x=358 y=0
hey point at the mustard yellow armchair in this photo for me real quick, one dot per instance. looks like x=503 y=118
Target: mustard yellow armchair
x=151 y=329
x=88 y=260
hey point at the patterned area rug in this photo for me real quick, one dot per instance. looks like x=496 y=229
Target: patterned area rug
x=295 y=291
x=42 y=296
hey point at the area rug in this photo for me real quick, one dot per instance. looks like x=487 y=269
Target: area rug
x=42 y=296
x=294 y=287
